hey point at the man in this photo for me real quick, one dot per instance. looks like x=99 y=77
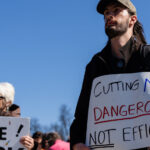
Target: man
x=125 y=52
x=7 y=93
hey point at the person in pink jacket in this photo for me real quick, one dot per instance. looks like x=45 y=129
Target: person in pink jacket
x=57 y=143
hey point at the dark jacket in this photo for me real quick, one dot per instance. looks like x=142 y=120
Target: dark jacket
x=104 y=63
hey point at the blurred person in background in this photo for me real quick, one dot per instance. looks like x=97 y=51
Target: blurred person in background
x=37 y=136
x=14 y=110
x=56 y=143
x=46 y=141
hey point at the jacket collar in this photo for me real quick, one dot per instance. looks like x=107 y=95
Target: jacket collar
x=126 y=51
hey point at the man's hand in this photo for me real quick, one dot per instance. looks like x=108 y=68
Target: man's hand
x=80 y=146
x=27 y=141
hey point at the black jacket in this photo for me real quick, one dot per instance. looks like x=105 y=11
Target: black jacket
x=103 y=63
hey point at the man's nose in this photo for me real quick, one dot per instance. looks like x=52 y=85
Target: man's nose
x=109 y=16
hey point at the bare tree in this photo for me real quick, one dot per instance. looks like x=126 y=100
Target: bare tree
x=63 y=125
x=65 y=120
x=35 y=125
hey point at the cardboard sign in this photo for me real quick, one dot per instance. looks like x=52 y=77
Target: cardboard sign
x=11 y=130
x=119 y=112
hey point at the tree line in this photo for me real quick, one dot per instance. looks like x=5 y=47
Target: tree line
x=61 y=126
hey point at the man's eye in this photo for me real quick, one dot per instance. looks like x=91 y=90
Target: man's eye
x=106 y=12
x=117 y=10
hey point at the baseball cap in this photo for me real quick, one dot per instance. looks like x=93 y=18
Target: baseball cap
x=127 y=3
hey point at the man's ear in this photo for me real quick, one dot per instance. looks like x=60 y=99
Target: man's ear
x=133 y=20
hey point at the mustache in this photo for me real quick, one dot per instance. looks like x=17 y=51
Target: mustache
x=110 y=23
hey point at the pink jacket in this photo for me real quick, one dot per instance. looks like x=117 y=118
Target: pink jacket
x=60 y=145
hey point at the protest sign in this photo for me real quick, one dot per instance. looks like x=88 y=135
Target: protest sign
x=119 y=112
x=11 y=130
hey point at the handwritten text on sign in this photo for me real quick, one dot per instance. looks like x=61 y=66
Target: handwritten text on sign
x=119 y=112
x=11 y=130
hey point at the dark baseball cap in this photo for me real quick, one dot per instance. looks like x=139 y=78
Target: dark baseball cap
x=127 y=3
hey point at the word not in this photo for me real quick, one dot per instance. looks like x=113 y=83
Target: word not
x=136 y=132
x=132 y=111
x=115 y=86
x=101 y=139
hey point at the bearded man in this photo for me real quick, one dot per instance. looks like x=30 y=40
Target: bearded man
x=126 y=55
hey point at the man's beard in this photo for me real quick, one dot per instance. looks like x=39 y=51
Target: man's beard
x=119 y=30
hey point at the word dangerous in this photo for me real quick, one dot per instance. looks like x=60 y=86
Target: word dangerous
x=115 y=113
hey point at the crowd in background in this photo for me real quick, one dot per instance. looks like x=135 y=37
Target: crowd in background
x=39 y=140
x=49 y=141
